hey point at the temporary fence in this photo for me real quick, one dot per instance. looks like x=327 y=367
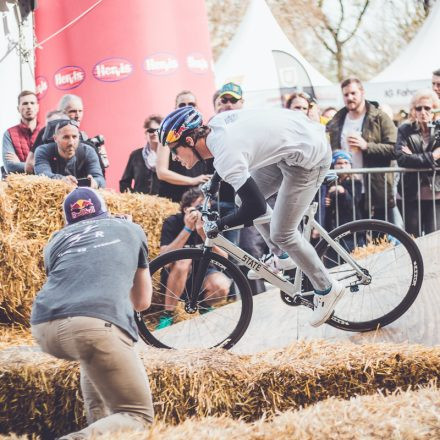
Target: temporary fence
x=391 y=213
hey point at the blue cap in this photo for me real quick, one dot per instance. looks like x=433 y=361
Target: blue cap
x=84 y=204
x=341 y=154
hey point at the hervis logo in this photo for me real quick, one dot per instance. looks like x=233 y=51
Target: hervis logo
x=197 y=63
x=41 y=86
x=69 y=77
x=161 y=63
x=112 y=69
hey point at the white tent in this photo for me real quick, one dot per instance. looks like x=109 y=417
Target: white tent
x=249 y=59
x=412 y=69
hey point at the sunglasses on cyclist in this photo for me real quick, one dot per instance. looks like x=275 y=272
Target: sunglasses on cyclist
x=186 y=104
x=232 y=100
x=151 y=130
x=423 y=107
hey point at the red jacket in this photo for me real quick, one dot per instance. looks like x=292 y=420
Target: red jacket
x=23 y=138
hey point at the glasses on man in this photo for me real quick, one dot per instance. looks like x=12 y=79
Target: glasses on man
x=186 y=104
x=65 y=122
x=232 y=100
x=151 y=130
x=423 y=107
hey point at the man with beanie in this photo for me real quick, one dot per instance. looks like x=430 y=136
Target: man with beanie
x=97 y=273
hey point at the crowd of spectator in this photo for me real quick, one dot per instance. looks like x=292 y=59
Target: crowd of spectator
x=363 y=135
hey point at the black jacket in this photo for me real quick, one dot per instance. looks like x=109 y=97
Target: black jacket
x=145 y=180
x=410 y=135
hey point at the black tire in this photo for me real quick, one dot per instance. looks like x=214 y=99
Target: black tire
x=394 y=284
x=223 y=326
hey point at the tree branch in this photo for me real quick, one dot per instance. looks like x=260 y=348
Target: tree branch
x=358 y=22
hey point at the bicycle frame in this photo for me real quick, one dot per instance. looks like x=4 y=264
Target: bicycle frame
x=291 y=289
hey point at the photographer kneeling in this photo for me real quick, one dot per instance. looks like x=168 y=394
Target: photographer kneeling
x=186 y=230
x=97 y=273
x=69 y=159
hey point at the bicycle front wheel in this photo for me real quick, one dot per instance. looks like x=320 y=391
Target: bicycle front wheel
x=393 y=263
x=224 y=303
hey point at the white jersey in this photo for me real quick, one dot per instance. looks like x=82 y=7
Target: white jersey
x=245 y=140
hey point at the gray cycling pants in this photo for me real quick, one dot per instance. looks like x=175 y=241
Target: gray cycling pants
x=296 y=189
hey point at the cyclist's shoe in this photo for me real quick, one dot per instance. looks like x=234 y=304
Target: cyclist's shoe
x=165 y=320
x=325 y=304
x=273 y=263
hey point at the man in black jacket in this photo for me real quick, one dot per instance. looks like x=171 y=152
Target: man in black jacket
x=68 y=159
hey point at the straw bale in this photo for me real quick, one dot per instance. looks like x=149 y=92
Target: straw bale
x=5 y=210
x=21 y=275
x=200 y=383
x=37 y=207
x=13 y=335
x=32 y=204
x=403 y=415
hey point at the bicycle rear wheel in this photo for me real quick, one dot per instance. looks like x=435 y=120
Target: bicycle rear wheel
x=224 y=303
x=393 y=261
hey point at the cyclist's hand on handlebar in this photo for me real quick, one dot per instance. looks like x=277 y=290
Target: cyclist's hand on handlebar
x=201 y=179
x=211 y=229
x=210 y=188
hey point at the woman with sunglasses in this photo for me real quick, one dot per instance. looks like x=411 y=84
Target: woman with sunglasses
x=140 y=173
x=418 y=146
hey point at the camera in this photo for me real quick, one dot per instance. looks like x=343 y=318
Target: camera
x=98 y=144
x=84 y=181
x=97 y=141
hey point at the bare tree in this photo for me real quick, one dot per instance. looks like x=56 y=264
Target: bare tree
x=349 y=39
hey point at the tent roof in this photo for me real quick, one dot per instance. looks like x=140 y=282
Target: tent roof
x=248 y=59
x=420 y=58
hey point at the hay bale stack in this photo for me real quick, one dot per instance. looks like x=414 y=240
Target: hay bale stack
x=37 y=209
x=404 y=415
x=30 y=211
x=21 y=275
x=216 y=382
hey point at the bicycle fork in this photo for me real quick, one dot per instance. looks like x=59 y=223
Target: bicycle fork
x=196 y=288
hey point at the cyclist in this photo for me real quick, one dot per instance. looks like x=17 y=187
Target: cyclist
x=261 y=152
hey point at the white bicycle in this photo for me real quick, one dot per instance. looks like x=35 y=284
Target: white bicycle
x=365 y=255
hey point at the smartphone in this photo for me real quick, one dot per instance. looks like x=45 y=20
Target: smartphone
x=84 y=181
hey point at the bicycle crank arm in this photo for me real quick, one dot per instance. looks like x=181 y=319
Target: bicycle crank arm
x=297 y=300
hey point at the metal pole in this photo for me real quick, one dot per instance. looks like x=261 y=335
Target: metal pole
x=434 y=211
x=402 y=179
x=386 y=196
x=419 y=204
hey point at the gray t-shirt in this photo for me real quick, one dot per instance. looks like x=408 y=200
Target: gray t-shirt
x=90 y=268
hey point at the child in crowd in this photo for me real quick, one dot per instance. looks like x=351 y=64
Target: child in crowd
x=343 y=200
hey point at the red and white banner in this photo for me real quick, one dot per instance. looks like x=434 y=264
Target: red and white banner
x=126 y=60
